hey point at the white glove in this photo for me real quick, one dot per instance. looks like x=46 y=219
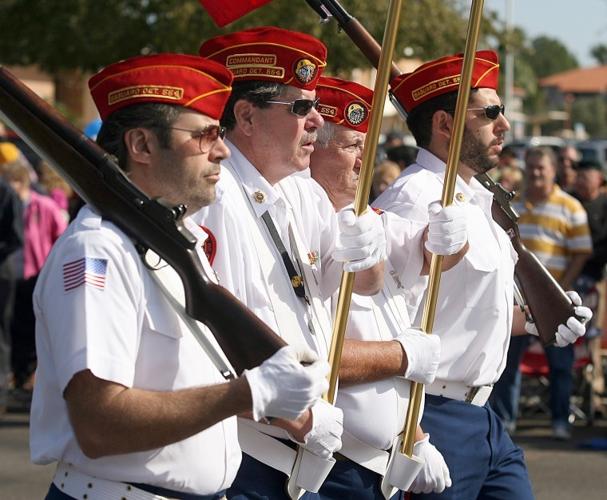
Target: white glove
x=423 y=355
x=327 y=427
x=434 y=476
x=573 y=329
x=447 y=229
x=282 y=387
x=361 y=242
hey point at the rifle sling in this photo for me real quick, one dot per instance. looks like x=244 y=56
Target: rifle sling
x=296 y=279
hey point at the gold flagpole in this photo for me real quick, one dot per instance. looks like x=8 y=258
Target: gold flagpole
x=363 y=189
x=476 y=13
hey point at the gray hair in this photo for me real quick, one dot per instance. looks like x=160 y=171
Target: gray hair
x=326 y=134
x=256 y=92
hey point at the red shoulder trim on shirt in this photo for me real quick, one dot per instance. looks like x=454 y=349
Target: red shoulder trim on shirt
x=209 y=246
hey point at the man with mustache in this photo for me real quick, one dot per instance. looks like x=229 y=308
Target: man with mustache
x=126 y=401
x=554 y=226
x=278 y=247
x=475 y=303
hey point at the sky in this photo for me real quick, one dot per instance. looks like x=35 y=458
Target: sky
x=578 y=24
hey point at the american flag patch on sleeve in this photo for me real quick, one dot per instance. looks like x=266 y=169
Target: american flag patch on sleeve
x=85 y=271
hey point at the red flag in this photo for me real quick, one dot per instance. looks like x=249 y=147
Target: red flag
x=225 y=11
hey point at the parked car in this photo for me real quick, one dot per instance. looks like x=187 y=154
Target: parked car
x=594 y=149
x=521 y=145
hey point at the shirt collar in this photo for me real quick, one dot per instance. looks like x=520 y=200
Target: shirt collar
x=473 y=191
x=259 y=191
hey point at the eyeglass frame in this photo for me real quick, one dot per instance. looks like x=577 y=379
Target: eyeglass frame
x=499 y=107
x=315 y=103
x=203 y=133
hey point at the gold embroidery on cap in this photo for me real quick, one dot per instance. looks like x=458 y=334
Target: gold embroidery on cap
x=136 y=91
x=238 y=60
x=243 y=65
x=326 y=110
x=448 y=81
x=273 y=72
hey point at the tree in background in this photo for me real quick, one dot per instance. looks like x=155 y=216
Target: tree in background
x=86 y=35
x=592 y=112
x=548 y=56
x=599 y=52
x=72 y=38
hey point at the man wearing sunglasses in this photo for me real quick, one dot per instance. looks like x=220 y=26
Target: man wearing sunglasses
x=475 y=303
x=126 y=401
x=381 y=353
x=280 y=248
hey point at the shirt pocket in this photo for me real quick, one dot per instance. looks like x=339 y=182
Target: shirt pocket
x=160 y=350
x=480 y=272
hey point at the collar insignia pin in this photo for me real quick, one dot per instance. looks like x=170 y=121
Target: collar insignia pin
x=259 y=197
x=312 y=257
x=460 y=197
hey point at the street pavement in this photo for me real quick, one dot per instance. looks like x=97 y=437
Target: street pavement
x=558 y=470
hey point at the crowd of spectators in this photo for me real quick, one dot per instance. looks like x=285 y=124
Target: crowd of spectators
x=562 y=204
x=34 y=211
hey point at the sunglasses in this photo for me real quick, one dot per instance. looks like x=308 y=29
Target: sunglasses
x=299 y=107
x=492 y=111
x=206 y=136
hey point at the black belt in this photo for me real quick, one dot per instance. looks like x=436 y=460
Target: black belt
x=180 y=495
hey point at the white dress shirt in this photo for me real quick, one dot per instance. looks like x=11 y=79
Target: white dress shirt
x=475 y=302
x=248 y=263
x=121 y=327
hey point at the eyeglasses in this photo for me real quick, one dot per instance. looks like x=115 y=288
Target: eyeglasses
x=492 y=111
x=299 y=107
x=206 y=136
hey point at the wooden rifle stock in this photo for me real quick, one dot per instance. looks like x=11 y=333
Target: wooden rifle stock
x=244 y=338
x=370 y=48
x=547 y=302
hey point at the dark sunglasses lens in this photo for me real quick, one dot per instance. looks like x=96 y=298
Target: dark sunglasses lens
x=493 y=111
x=302 y=107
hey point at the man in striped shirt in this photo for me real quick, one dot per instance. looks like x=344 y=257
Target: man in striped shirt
x=553 y=225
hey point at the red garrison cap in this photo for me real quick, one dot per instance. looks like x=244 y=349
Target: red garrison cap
x=442 y=76
x=345 y=103
x=177 y=79
x=269 y=53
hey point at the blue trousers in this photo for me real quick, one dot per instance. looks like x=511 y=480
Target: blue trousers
x=507 y=391
x=483 y=461
x=346 y=481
